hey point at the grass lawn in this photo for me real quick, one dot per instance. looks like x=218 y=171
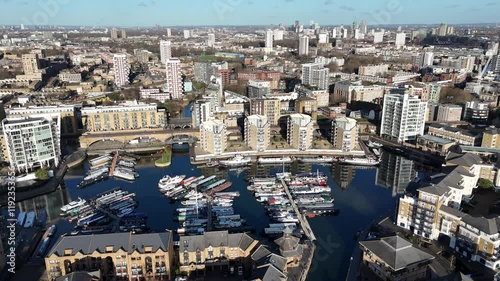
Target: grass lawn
x=166 y=157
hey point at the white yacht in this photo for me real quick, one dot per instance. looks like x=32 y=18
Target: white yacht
x=275 y=160
x=236 y=161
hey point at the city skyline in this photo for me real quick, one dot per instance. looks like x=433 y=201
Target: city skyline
x=239 y=12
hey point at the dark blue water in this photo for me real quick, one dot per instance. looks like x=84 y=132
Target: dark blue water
x=360 y=203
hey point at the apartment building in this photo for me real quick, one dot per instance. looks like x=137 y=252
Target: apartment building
x=70 y=77
x=420 y=213
x=31 y=63
x=165 y=51
x=434 y=144
x=395 y=259
x=476 y=111
x=271 y=108
x=174 y=78
x=214 y=250
x=491 y=138
x=315 y=74
x=345 y=134
x=449 y=113
x=403 y=117
x=460 y=136
x=307 y=105
x=32 y=142
x=349 y=92
x=202 y=111
x=213 y=136
x=373 y=70
x=257 y=132
x=121 y=69
x=127 y=116
x=118 y=255
x=69 y=115
x=258 y=89
x=322 y=97
x=300 y=131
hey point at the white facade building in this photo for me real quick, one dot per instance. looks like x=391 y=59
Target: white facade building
x=32 y=142
x=403 y=117
x=121 y=69
x=165 y=50
x=269 y=39
x=174 y=78
x=211 y=40
x=400 y=40
x=378 y=37
x=314 y=74
x=304 y=45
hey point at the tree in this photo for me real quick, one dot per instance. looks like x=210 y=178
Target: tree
x=333 y=67
x=454 y=95
x=42 y=174
x=484 y=184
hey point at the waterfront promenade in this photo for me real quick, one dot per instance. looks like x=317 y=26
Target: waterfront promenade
x=198 y=158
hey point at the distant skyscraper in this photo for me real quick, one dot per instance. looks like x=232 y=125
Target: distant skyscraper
x=122 y=69
x=403 y=117
x=278 y=34
x=124 y=34
x=304 y=45
x=378 y=37
x=423 y=59
x=174 y=78
x=400 y=40
x=169 y=32
x=269 y=39
x=165 y=50
x=323 y=38
x=22 y=26
x=114 y=33
x=364 y=27
x=443 y=29
x=187 y=34
x=211 y=40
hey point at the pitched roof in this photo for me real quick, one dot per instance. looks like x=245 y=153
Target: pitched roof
x=80 y=276
x=487 y=225
x=451 y=211
x=87 y=244
x=396 y=252
x=268 y=273
x=465 y=160
x=435 y=189
x=215 y=239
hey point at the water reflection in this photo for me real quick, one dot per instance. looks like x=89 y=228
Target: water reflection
x=395 y=172
x=343 y=174
x=48 y=204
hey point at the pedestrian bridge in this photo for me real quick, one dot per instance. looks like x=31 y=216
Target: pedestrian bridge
x=180 y=139
x=157 y=135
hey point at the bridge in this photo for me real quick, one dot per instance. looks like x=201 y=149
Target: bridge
x=180 y=123
x=142 y=136
x=179 y=139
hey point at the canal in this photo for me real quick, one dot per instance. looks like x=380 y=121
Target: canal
x=362 y=195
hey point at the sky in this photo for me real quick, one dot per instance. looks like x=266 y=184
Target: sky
x=245 y=12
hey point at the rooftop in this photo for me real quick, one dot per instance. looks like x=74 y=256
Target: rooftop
x=128 y=242
x=436 y=139
x=396 y=252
